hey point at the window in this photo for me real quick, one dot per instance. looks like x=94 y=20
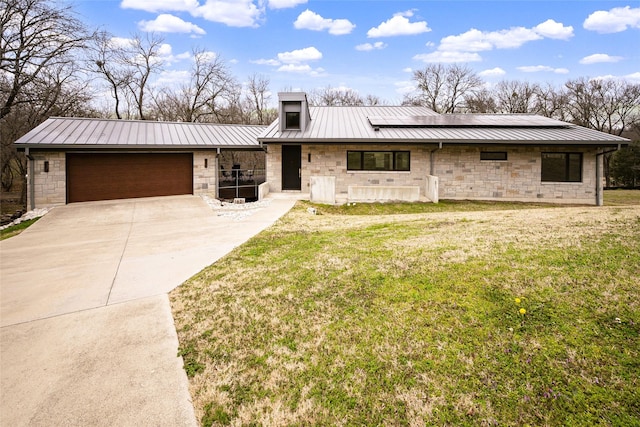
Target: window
x=292 y=120
x=378 y=160
x=493 y=155
x=561 y=167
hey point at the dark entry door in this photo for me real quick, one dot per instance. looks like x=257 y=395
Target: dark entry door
x=291 y=164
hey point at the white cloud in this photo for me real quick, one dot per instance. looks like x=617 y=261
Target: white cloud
x=597 y=58
x=295 y=68
x=309 y=20
x=172 y=78
x=464 y=47
x=554 y=30
x=165 y=50
x=634 y=77
x=368 y=46
x=407 y=70
x=615 y=20
x=160 y=5
x=541 y=68
x=300 y=55
x=405 y=86
x=166 y=23
x=399 y=25
x=283 y=4
x=448 y=57
x=493 y=72
x=271 y=62
x=301 y=69
x=476 y=41
x=117 y=42
x=408 y=13
x=206 y=56
x=234 y=13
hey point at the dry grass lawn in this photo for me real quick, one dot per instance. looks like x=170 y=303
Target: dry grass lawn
x=412 y=319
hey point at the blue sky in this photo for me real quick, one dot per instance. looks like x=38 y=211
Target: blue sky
x=372 y=46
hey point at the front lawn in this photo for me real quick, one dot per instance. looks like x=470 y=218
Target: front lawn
x=412 y=319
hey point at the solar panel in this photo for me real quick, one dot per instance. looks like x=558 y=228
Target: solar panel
x=467 y=120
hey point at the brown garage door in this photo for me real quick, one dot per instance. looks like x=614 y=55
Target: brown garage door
x=128 y=175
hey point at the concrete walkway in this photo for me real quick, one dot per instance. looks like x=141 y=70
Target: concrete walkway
x=87 y=336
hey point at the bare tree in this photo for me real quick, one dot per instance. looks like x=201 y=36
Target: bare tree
x=516 y=97
x=143 y=58
x=372 y=100
x=481 y=101
x=58 y=91
x=204 y=97
x=258 y=96
x=106 y=59
x=551 y=102
x=444 y=88
x=610 y=106
x=232 y=110
x=36 y=35
x=335 y=97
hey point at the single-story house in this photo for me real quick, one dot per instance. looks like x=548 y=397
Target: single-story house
x=328 y=154
x=375 y=153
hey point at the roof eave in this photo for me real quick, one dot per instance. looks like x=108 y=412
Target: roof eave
x=437 y=141
x=130 y=147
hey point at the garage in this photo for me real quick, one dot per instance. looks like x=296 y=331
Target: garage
x=108 y=176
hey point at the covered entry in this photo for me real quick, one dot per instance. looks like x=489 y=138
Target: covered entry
x=107 y=176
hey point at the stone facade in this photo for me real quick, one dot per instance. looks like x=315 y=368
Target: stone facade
x=460 y=172
x=331 y=160
x=463 y=175
x=205 y=173
x=46 y=189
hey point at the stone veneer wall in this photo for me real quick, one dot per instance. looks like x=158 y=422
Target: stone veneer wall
x=50 y=189
x=461 y=173
x=331 y=160
x=205 y=179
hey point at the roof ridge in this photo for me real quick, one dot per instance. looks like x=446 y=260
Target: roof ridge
x=103 y=119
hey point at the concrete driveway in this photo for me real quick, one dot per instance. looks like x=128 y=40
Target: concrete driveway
x=87 y=336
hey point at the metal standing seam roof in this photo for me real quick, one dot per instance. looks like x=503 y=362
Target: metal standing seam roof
x=422 y=125
x=83 y=133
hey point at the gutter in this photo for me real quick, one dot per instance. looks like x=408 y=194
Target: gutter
x=599 y=201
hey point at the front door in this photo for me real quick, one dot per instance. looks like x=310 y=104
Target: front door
x=291 y=167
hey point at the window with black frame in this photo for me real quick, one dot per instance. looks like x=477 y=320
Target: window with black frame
x=495 y=156
x=378 y=160
x=292 y=120
x=561 y=167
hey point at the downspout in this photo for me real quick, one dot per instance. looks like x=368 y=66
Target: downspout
x=599 y=201
x=30 y=177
